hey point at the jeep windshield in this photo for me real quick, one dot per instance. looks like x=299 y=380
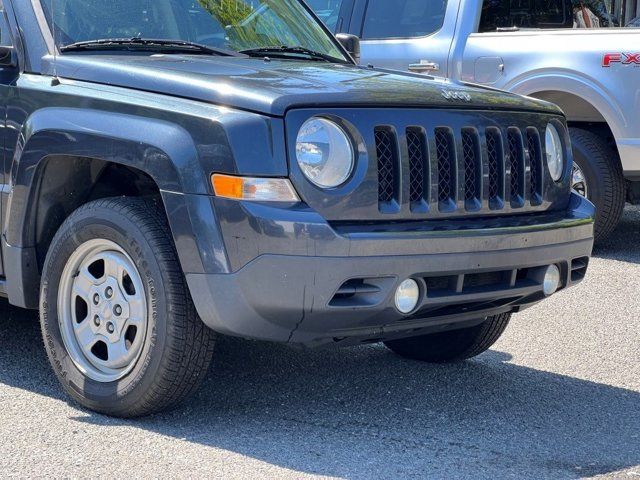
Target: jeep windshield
x=274 y=28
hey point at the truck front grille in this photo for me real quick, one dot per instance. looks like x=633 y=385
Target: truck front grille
x=469 y=170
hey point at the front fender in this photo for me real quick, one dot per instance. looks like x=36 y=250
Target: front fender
x=164 y=151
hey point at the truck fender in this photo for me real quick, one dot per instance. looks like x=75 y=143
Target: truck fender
x=576 y=84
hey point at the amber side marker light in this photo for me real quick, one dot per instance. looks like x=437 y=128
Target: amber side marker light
x=253 y=188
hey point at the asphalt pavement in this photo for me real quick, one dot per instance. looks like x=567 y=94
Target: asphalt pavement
x=557 y=397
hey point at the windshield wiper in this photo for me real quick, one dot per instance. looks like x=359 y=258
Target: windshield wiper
x=146 y=44
x=284 y=50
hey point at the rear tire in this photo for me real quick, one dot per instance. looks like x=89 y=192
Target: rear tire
x=112 y=265
x=453 y=345
x=605 y=185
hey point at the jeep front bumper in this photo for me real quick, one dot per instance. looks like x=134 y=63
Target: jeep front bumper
x=295 y=278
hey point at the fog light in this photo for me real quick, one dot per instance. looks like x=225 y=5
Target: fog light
x=551 y=281
x=407 y=296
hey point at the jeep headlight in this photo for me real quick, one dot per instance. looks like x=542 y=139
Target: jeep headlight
x=554 y=152
x=325 y=153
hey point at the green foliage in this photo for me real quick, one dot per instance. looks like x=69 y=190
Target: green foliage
x=228 y=12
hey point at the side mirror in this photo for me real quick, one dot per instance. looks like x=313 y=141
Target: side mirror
x=351 y=44
x=8 y=57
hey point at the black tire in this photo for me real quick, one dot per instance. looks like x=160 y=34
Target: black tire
x=605 y=181
x=453 y=345
x=178 y=347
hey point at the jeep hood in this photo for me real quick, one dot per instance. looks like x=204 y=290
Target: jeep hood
x=273 y=87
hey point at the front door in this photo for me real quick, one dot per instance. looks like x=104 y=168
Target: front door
x=8 y=77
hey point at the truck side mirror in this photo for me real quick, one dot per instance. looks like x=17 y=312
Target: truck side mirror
x=351 y=44
x=8 y=57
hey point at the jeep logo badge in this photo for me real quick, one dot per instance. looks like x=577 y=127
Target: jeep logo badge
x=456 y=95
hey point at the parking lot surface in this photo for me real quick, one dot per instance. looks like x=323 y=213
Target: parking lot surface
x=557 y=397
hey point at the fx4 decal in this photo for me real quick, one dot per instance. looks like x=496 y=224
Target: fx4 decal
x=622 y=58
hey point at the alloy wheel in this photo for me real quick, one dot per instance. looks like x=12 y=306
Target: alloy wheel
x=579 y=181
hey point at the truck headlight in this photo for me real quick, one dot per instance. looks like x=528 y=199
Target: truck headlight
x=554 y=153
x=325 y=153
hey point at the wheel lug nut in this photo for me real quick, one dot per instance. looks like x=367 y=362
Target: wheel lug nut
x=96 y=321
x=96 y=299
x=109 y=292
x=117 y=310
x=110 y=327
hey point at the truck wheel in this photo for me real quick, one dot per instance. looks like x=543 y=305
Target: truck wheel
x=119 y=326
x=598 y=176
x=452 y=345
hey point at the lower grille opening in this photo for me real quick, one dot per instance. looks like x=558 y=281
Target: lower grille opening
x=489 y=279
x=442 y=286
x=361 y=292
x=579 y=268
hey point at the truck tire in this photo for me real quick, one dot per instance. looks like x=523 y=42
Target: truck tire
x=118 y=323
x=604 y=180
x=453 y=345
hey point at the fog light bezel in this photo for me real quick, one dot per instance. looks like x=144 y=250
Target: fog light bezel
x=418 y=296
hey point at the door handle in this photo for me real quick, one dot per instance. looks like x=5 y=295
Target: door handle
x=424 y=66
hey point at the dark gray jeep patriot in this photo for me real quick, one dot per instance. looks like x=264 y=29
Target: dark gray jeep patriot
x=175 y=168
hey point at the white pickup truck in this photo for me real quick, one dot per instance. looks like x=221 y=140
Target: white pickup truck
x=583 y=55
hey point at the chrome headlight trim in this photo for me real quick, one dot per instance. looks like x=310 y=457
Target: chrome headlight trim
x=554 y=152
x=325 y=153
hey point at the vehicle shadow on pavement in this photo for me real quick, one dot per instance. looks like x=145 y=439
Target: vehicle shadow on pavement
x=357 y=412
x=624 y=244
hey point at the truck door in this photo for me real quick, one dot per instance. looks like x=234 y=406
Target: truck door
x=411 y=35
x=506 y=35
x=334 y=13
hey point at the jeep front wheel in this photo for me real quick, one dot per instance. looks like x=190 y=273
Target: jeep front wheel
x=118 y=323
x=452 y=345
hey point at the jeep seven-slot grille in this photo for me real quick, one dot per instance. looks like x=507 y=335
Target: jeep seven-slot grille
x=517 y=165
x=472 y=157
x=386 y=149
x=495 y=159
x=534 y=147
x=418 y=174
x=446 y=158
x=471 y=169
